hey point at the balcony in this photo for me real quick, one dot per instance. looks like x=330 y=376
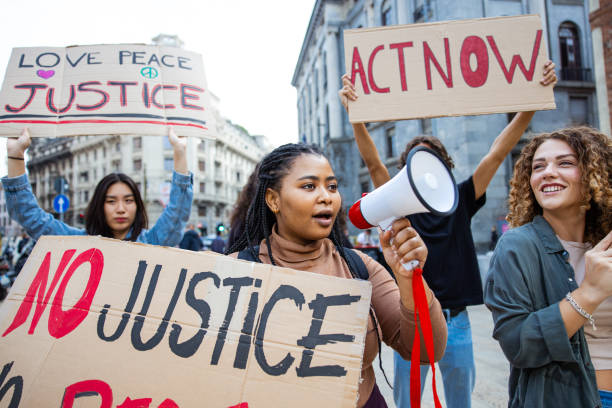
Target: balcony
x=576 y=74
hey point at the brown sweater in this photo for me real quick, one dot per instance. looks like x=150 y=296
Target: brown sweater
x=396 y=323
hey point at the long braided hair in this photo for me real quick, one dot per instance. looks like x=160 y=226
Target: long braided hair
x=260 y=219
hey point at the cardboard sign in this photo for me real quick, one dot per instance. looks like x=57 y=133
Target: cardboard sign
x=105 y=89
x=102 y=323
x=466 y=67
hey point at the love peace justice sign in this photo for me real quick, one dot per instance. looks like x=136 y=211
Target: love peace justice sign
x=102 y=89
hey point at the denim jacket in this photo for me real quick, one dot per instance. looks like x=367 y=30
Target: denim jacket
x=23 y=207
x=529 y=275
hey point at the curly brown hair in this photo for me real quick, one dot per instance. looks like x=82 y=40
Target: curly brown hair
x=594 y=151
x=431 y=141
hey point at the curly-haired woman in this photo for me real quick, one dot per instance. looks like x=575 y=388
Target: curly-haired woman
x=552 y=272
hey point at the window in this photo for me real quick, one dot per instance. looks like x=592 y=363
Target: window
x=579 y=114
x=238 y=176
x=324 y=71
x=95 y=153
x=85 y=196
x=385 y=15
x=218 y=211
x=104 y=151
x=137 y=142
x=201 y=211
x=139 y=186
x=167 y=144
x=168 y=164
x=569 y=47
x=84 y=176
x=118 y=147
x=316 y=85
x=390 y=141
x=365 y=187
x=202 y=187
x=201 y=165
x=137 y=164
x=426 y=128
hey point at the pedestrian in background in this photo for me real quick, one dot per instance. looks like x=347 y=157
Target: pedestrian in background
x=452 y=268
x=551 y=274
x=218 y=244
x=191 y=239
x=116 y=209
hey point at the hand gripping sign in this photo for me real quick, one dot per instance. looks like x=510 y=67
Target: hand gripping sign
x=466 y=67
x=105 y=89
x=97 y=322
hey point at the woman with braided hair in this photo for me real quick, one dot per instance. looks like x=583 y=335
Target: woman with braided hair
x=552 y=273
x=291 y=222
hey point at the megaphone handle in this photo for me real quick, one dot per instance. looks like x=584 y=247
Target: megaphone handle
x=410 y=265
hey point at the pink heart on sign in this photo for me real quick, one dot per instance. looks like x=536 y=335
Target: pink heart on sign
x=45 y=74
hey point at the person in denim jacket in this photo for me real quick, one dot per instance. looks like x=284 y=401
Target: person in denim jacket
x=560 y=197
x=116 y=209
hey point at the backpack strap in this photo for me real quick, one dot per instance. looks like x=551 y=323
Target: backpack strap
x=356 y=264
x=247 y=255
x=352 y=258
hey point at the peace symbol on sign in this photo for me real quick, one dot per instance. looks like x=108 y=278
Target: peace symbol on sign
x=149 y=72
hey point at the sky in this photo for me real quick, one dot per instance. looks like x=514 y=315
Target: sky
x=249 y=48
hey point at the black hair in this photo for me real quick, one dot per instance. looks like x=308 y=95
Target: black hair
x=260 y=219
x=95 y=220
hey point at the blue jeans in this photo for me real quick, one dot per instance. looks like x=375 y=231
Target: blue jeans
x=457 y=366
x=606 y=398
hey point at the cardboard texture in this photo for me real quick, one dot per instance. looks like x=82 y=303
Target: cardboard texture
x=78 y=329
x=105 y=89
x=466 y=67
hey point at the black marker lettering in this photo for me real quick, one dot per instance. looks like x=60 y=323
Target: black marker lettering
x=190 y=346
x=283 y=292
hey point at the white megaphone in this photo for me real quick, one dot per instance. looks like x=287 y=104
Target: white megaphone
x=425 y=184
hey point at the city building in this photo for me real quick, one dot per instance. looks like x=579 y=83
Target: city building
x=601 y=32
x=322 y=120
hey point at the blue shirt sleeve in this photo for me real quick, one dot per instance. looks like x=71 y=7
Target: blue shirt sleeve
x=168 y=229
x=23 y=207
x=529 y=337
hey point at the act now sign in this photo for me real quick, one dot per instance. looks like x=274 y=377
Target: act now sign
x=105 y=89
x=101 y=323
x=465 y=67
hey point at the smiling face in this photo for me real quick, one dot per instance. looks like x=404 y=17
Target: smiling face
x=307 y=202
x=119 y=209
x=556 y=179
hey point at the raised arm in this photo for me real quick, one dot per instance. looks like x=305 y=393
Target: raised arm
x=507 y=139
x=21 y=203
x=15 y=153
x=179 y=147
x=367 y=149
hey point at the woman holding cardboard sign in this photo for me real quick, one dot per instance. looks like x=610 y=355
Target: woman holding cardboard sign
x=116 y=209
x=291 y=222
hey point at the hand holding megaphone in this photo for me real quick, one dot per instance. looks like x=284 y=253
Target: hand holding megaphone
x=425 y=184
x=401 y=244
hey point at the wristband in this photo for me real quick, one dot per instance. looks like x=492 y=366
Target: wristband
x=580 y=310
x=15 y=158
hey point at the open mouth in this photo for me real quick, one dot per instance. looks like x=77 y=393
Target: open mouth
x=323 y=217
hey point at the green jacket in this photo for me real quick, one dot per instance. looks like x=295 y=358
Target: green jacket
x=528 y=276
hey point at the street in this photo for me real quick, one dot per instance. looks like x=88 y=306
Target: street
x=491 y=368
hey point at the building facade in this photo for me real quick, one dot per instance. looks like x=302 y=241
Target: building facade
x=322 y=120
x=220 y=167
x=601 y=32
